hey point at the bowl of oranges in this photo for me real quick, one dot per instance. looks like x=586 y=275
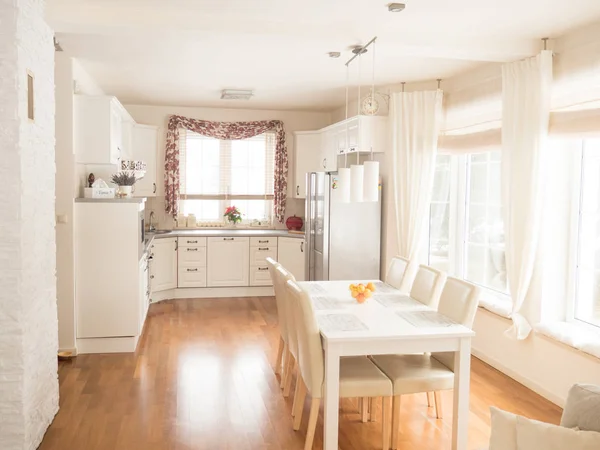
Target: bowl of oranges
x=361 y=292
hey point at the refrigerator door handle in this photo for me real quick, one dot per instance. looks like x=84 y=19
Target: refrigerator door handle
x=297 y=190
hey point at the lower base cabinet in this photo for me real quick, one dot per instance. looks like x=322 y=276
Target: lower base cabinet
x=163 y=264
x=228 y=261
x=291 y=255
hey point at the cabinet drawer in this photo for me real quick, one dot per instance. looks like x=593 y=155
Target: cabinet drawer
x=191 y=242
x=258 y=255
x=263 y=242
x=228 y=239
x=191 y=277
x=191 y=256
x=259 y=276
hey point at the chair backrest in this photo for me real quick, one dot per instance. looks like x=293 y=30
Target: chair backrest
x=459 y=301
x=279 y=295
x=310 y=348
x=282 y=276
x=397 y=271
x=428 y=285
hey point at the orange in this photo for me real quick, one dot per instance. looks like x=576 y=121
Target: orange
x=371 y=287
x=361 y=288
x=368 y=293
x=355 y=294
x=361 y=298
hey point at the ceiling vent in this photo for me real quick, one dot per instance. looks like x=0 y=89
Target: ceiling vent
x=236 y=94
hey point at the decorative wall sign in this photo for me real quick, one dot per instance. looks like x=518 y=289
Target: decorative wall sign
x=30 y=97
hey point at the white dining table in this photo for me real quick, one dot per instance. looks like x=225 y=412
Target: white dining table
x=389 y=322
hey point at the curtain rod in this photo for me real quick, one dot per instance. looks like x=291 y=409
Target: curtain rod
x=361 y=48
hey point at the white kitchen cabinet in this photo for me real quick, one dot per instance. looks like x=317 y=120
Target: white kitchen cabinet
x=127 y=139
x=98 y=127
x=228 y=261
x=144 y=293
x=145 y=148
x=261 y=248
x=291 y=255
x=328 y=150
x=191 y=260
x=163 y=264
x=308 y=152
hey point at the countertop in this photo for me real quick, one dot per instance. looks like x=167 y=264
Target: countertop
x=150 y=236
x=110 y=200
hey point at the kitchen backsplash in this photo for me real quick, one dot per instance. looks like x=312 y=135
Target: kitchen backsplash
x=164 y=221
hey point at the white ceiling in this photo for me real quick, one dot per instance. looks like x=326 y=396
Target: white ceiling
x=184 y=52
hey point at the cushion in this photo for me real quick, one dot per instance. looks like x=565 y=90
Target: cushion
x=582 y=409
x=504 y=430
x=534 y=435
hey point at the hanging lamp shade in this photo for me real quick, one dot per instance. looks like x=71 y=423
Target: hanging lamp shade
x=344 y=184
x=357 y=175
x=371 y=186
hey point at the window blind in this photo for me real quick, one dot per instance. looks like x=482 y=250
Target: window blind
x=220 y=169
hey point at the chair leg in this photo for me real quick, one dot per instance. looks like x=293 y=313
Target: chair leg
x=395 y=421
x=296 y=390
x=299 y=406
x=364 y=409
x=438 y=404
x=285 y=362
x=385 y=421
x=312 y=423
x=429 y=402
x=279 y=356
x=288 y=377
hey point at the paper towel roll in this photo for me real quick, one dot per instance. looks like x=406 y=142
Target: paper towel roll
x=357 y=174
x=344 y=182
x=371 y=192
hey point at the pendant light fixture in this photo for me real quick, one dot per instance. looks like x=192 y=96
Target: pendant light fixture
x=371 y=168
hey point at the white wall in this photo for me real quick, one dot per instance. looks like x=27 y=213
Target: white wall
x=540 y=363
x=159 y=116
x=28 y=341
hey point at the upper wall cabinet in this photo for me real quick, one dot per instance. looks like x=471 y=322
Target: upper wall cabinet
x=145 y=148
x=308 y=148
x=360 y=134
x=98 y=129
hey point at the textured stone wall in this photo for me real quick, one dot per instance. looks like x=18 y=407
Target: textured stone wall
x=28 y=323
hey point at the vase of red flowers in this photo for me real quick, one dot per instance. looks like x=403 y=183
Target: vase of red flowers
x=233 y=215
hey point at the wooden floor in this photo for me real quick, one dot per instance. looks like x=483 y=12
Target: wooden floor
x=202 y=379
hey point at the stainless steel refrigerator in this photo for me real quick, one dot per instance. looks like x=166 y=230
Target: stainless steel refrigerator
x=343 y=239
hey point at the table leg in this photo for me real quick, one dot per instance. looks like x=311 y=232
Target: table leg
x=462 y=374
x=332 y=398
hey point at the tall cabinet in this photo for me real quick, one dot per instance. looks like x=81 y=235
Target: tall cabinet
x=145 y=148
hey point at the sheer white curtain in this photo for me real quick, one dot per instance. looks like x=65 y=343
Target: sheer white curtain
x=415 y=119
x=525 y=119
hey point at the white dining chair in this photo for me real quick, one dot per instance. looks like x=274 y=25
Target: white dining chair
x=272 y=265
x=411 y=374
x=359 y=377
x=291 y=356
x=397 y=272
x=427 y=286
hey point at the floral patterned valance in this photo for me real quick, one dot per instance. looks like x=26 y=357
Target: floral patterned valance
x=225 y=131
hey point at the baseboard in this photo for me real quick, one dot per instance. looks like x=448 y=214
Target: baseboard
x=107 y=345
x=213 y=292
x=528 y=383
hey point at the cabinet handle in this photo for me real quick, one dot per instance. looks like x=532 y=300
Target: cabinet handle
x=152 y=277
x=192 y=270
x=297 y=190
x=302 y=246
x=154 y=188
x=192 y=249
x=192 y=242
x=176 y=244
x=263 y=248
x=150 y=258
x=263 y=242
x=263 y=268
x=228 y=239
x=324 y=163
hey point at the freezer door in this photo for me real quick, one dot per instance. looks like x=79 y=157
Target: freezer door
x=317 y=227
x=355 y=238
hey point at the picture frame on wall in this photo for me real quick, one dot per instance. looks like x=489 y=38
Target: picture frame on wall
x=30 y=96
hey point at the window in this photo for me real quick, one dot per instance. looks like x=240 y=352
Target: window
x=484 y=260
x=587 y=297
x=439 y=215
x=219 y=173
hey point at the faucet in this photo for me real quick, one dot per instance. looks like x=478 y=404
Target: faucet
x=151 y=226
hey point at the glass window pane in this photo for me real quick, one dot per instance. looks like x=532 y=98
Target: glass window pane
x=439 y=220
x=478 y=183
